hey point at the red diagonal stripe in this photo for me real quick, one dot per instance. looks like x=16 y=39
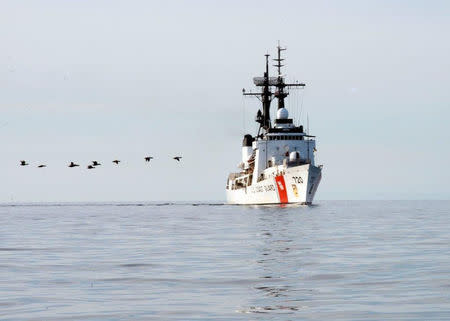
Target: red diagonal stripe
x=281 y=186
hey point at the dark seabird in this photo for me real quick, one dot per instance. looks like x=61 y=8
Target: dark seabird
x=95 y=163
x=116 y=161
x=42 y=165
x=23 y=163
x=90 y=166
x=178 y=158
x=148 y=158
x=72 y=164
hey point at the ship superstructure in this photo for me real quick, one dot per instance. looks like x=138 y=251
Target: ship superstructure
x=278 y=163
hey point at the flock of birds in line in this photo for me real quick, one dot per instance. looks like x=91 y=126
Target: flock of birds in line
x=96 y=163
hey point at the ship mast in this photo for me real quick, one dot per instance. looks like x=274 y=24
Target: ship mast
x=280 y=94
x=265 y=96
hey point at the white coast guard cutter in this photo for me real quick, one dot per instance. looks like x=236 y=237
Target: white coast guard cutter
x=278 y=163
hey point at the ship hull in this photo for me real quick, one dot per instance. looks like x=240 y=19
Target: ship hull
x=298 y=185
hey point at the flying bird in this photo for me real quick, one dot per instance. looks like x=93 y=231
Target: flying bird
x=72 y=164
x=23 y=163
x=178 y=158
x=42 y=165
x=116 y=161
x=148 y=158
x=95 y=163
x=90 y=166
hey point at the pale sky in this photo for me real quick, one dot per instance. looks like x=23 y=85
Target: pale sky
x=99 y=80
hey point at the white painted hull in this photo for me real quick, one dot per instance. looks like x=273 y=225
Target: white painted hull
x=297 y=185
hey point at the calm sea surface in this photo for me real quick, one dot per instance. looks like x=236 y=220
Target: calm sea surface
x=340 y=260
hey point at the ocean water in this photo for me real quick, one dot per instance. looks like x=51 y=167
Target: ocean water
x=336 y=260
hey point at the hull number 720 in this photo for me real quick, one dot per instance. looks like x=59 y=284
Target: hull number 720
x=297 y=179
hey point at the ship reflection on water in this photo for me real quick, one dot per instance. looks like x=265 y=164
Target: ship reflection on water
x=279 y=259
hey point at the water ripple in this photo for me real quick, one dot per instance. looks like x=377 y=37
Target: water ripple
x=210 y=261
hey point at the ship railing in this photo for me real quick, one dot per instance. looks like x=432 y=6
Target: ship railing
x=233 y=176
x=298 y=162
x=239 y=180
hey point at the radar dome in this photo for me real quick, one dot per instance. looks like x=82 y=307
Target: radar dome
x=282 y=113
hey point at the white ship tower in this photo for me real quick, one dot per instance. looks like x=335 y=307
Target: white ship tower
x=278 y=164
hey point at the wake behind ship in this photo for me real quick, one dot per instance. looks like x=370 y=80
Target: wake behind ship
x=278 y=164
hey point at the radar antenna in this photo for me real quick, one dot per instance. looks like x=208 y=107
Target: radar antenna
x=280 y=93
x=265 y=96
x=279 y=59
